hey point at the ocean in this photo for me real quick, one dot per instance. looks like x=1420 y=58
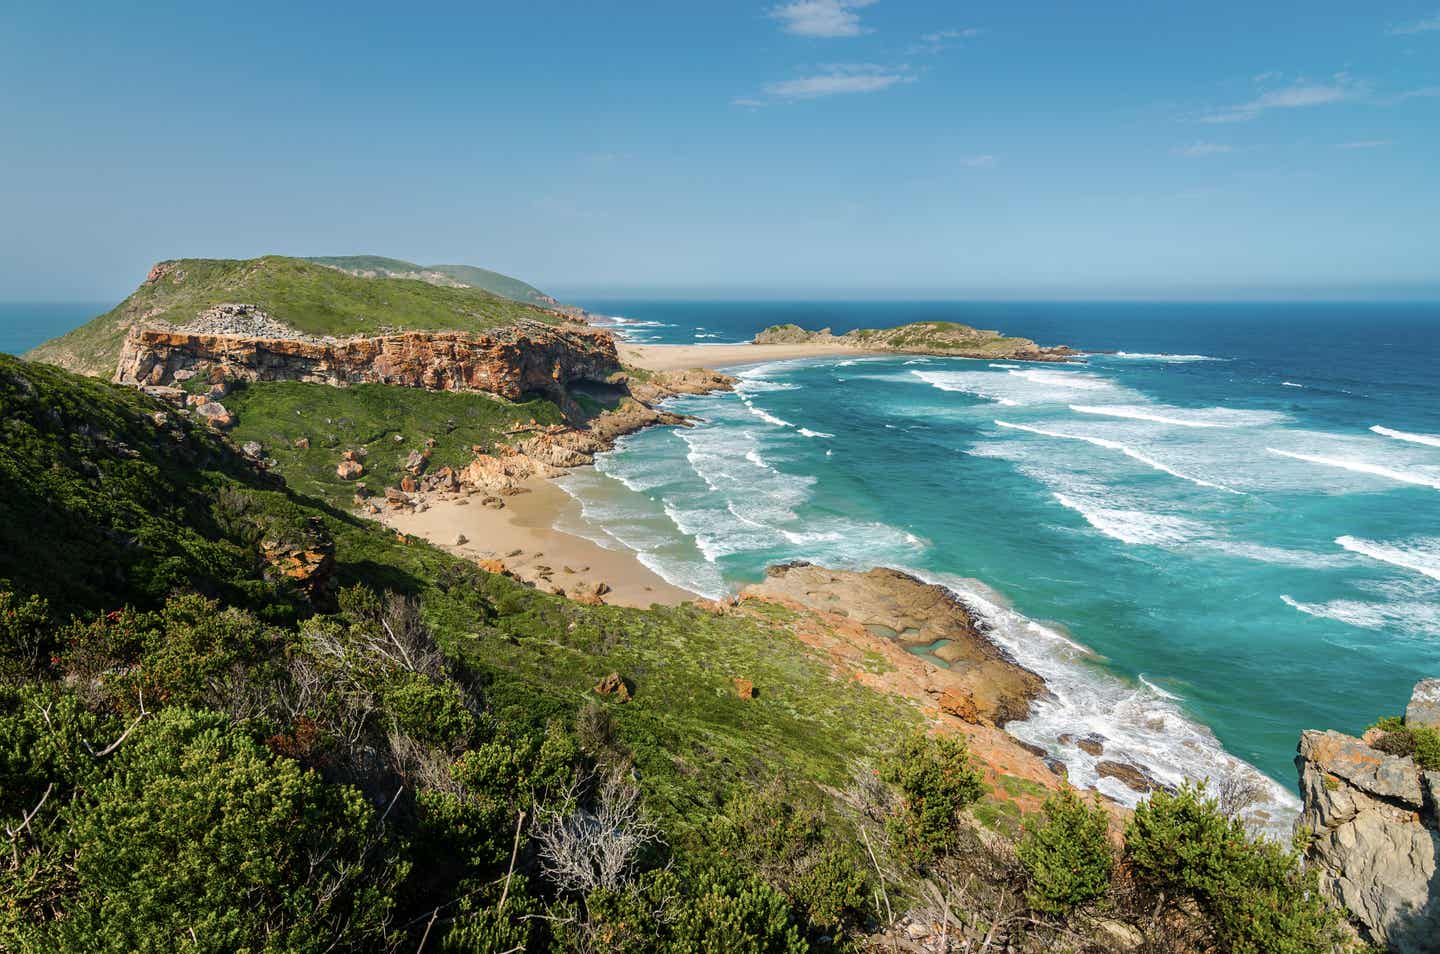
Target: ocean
x=1222 y=533
x=25 y=325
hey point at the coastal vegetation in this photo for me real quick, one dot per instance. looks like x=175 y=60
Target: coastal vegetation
x=305 y=428
x=235 y=716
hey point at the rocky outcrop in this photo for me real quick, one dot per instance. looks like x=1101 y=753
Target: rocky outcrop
x=1375 y=827
x=524 y=358
x=946 y=338
x=970 y=677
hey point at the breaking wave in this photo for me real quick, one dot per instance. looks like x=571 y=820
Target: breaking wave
x=1430 y=440
x=1124 y=449
x=1363 y=467
x=1420 y=556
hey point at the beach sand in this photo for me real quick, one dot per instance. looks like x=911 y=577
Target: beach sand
x=663 y=357
x=526 y=523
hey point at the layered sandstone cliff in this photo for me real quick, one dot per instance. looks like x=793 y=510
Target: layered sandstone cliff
x=512 y=361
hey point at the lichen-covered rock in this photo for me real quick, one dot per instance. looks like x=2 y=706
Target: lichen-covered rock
x=1375 y=838
x=615 y=685
x=350 y=470
x=1424 y=707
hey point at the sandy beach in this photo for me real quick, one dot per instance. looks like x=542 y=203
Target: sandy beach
x=522 y=536
x=666 y=357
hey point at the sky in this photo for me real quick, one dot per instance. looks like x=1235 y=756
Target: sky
x=802 y=148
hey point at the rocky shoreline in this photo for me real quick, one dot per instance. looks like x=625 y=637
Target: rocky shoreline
x=935 y=338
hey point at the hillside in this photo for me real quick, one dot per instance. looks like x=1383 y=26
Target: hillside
x=232 y=717
x=467 y=275
x=924 y=337
x=304 y=296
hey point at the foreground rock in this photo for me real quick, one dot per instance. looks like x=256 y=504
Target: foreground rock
x=1376 y=833
x=974 y=679
x=923 y=337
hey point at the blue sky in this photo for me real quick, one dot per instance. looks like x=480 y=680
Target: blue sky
x=819 y=147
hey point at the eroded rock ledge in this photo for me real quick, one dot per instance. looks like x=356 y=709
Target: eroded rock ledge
x=966 y=675
x=510 y=362
x=1374 y=819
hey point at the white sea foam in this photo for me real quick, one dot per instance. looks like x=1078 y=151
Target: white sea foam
x=1156 y=689
x=1421 y=556
x=1364 y=467
x=1430 y=440
x=766 y=416
x=1074 y=380
x=1134 y=526
x=1015 y=367
x=1290 y=384
x=1183 y=417
x=809 y=433
x=1169 y=358
x=1408 y=617
x=1124 y=449
x=1140 y=723
x=753 y=456
x=959 y=383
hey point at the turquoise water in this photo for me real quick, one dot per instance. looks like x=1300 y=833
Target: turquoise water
x=1225 y=535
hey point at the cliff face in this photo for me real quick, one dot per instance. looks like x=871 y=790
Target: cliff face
x=524 y=358
x=924 y=337
x=1375 y=819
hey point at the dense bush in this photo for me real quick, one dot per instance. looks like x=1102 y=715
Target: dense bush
x=936 y=781
x=1420 y=742
x=199 y=835
x=1252 y=893
x=1067 y=856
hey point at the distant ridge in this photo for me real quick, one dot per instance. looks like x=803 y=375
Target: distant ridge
x=378 y=266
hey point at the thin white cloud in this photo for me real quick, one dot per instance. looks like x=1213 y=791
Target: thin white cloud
x=839 y=79
x=931 y=43
x=1427 y=25
x=1200 y=149
x=748 y=102
x=821 y=18
x=1365 y=144
x=979 y=162
x=1295 y=96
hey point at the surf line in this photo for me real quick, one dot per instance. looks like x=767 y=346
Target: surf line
x=1124 y=449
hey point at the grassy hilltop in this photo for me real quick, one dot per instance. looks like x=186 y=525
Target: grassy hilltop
x=308 y=296
x=475 y=277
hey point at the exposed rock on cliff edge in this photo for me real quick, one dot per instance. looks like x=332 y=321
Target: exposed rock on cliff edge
x=1375 y=823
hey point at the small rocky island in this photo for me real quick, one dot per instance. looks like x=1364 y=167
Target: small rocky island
x=946 y=338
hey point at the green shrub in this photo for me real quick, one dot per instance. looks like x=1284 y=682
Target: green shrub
x=936 y=781
x=1420 y=742
x=1067 y=857
x=200 y=836
x=430 y=711
x=697 y=911
x=1251 y=894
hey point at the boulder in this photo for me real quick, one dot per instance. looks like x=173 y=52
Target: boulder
x=349 y=469
x=1424 y=707
x=461 y=539
x=408 y=484
x=744 y=688
x=215 y=415
x=302 y=443
x=1126 y=774
x=615 y=685
x=1361 y=767
x=253 y=449
x=416 y=462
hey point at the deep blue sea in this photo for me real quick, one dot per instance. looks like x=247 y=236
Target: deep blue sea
x=1223 y=533
x=23 y=326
